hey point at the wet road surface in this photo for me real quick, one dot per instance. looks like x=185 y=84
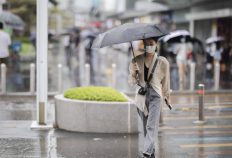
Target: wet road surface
x=178 y=137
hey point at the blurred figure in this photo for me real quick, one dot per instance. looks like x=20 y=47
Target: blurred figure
x=209 y=63
x=67 y=45
x=88 y=43
x=228 y=54
x=189 y=53
x=216 y=52
x=50 y=46
x=88 y=37
x=77 y=39
x=181 y=60
x=162 y=50
x=5 y=42
x=33 y=39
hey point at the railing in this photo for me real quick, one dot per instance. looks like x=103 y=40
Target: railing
x=88 y=76
x=32 y=80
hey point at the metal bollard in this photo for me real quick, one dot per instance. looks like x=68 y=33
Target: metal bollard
x=114 y=67
x=32 y=78
x=217 y=76
x=201 y=93
x=3 y=78
x=192 y=76
x=87 y=75
x=60 y=78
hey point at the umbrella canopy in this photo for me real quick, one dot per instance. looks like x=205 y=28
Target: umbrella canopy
x=177 y=35
x=214 y=39
x=11 y=19
x=127 y=33
x=195 y=40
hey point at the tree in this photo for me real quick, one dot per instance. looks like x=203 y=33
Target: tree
x=26 y=9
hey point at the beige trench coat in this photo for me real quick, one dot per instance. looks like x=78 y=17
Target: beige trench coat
x=160 y=80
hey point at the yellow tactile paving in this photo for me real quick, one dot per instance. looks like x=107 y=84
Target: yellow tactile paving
x=184 y=108
x=196 y=108
x=197 y=132
x=221 y=106
x=205 y=145
x=209 y=152
x=192 y=118
x=196 y=113
x=198 y=127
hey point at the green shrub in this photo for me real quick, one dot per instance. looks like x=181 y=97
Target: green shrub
x=27 y=48
x=95 y=94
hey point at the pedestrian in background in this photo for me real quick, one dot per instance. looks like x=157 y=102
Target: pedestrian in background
x=189 y=53
x=5 y=42
x=216 y=51
x=228 y=55
x=181 y=59
x=67 y=45
x=148 y=105
x=209 y=63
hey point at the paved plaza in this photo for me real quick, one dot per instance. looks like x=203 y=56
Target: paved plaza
x=178 y=137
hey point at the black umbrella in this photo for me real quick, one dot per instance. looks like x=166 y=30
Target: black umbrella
x=195 y=40
x=127 y=33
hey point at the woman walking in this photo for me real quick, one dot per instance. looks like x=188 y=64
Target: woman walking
x=148 y=105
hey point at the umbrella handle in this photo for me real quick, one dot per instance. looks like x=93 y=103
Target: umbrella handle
x=137 y=71
x=133 y=51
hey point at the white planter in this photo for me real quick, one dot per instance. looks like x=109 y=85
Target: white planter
x=96 y=116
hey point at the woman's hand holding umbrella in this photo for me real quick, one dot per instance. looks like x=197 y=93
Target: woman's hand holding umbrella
x=135 y=68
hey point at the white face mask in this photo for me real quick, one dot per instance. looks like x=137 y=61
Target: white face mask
x=150 y=49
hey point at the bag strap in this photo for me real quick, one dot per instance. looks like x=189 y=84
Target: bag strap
x=153 y=69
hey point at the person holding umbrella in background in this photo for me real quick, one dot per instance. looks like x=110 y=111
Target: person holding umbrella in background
x=215 y=49
x=181 y=37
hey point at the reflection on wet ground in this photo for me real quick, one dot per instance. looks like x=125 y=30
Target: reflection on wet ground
x=101 y=71
x=178 y=137
x=22 y=110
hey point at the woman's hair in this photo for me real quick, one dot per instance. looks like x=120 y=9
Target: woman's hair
x=218 y=45
x=155 y=39
x=1 y=25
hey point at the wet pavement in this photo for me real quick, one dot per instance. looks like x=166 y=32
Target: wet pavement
x=178 y=137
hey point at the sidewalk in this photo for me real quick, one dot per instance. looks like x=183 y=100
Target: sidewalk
x=179 y=137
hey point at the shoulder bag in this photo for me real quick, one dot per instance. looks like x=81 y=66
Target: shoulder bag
x=143 y=90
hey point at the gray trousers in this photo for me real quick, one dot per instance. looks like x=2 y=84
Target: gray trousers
x=151 y=121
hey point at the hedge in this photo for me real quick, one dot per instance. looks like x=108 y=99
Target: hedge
x=95 y=94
